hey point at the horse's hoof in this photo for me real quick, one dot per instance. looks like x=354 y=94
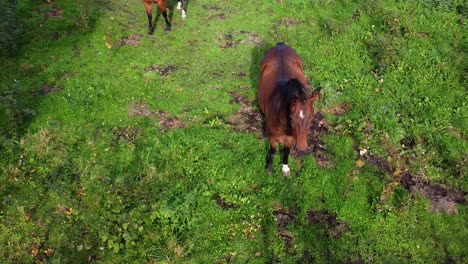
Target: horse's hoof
x=286 y=171
x=167 y=30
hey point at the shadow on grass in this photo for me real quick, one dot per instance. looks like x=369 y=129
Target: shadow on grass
x=25 y=85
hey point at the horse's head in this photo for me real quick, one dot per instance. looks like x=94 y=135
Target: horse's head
x=301 y=114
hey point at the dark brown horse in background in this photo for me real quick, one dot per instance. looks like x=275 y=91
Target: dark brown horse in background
x=284 y=100
x=162 y=7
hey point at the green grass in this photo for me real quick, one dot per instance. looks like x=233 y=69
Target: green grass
x=85 y=179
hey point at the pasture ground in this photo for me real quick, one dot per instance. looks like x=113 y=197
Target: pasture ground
x=117 y=147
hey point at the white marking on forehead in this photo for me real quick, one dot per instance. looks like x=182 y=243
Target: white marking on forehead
x=301 y=114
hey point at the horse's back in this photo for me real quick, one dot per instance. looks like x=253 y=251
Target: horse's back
x=280 y=64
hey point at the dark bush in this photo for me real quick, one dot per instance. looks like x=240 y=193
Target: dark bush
x=9 y=29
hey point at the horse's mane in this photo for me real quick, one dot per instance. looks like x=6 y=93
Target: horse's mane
x=283 y=95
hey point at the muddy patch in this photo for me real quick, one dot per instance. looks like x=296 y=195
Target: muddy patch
x=222 y=203
x=54 y=35
x=140 y=108
x=211 y=8
x=47 y=89
x=338 y=110
x=380 y=163
x=231 y=40
x=316 y=145
x=289 y=22
x=252 y=39
x=248 y=118
x=128 y=134
x=333 y=227
x=220 y=16
x=284 y=217
x=55 y=13
x=133 y=40
x=227 y=41
x=168 y=122
x=441 y=199
x=163 y=70
x=240 y=74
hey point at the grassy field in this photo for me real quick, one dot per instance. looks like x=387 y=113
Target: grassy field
x=118 y=147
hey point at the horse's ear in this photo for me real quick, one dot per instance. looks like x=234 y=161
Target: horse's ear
x=314 y=94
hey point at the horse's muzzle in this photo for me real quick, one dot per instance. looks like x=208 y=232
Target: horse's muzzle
x=301 y=147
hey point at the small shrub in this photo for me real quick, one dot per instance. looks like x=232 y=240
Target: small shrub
x=13 y=117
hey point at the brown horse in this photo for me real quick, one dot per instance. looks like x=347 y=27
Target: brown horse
x=284 y=100
x=182 y=5
x=149 y=12
x=162 y=7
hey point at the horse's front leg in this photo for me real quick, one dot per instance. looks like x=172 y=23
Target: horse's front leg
x=270 y=156
x=149 y=13
x=162 y=7
x=181 y=5
x=285 y=169
x=288 y=144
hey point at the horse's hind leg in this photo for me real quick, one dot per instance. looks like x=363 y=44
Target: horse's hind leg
x=271 y=155
x=162 y=7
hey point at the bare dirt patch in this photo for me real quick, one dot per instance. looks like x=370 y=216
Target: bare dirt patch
x=222 y=203
x=47 y=89
x=168 y=122
x=212 y=8
x=231 y=40
x=220 y=16
x=442 y=199
x=128 y=134
x=283 y=218
x=140 y=108
x=289 y=21
x=55 y=13
x=248 y=118
x=252 y=39
x=163 y=70
x=380 y=163
x=333 y=227
x=227 y=41
x=340 y=109
x=133 y=40
x=316 y=147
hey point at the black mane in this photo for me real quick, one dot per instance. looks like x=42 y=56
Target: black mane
x=282 y=97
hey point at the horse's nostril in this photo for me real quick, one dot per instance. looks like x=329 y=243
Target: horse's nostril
x=301 y=149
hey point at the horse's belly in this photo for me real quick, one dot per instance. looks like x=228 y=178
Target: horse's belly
x=262 y=98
